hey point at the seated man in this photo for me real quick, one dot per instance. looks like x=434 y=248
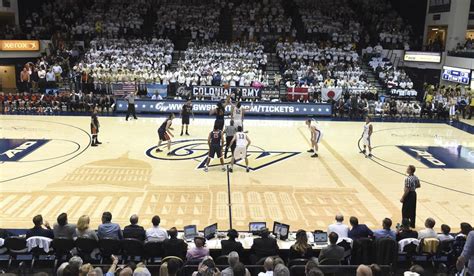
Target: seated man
x=199 y=252
x=339 y=228
x=108 y=229
x=63 y=229
x=264 y=246
x=38 y=230
x=174 y=246
x=134 y=231
x=385 y=232
x=359 y=230
x=156 y=233
x=428 y=232
x=332 y=251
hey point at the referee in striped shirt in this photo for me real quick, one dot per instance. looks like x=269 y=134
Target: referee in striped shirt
x=409 y=196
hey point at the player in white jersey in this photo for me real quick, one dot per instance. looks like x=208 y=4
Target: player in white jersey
x=242 y=143
x=237 y=114
x=316 y=136
x=366 y=135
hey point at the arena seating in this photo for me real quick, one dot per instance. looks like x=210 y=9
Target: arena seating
x=44 y=250
x=236 y=64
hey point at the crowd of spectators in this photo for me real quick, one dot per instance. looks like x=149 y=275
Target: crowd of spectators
x=110 y=60
x=198 y=20
x=54 y=103
x=342 y=238
x=329 y=20
x=235 y=64
x=383 y=24
x=392 y=78
x=261 y=21
x=323 y=65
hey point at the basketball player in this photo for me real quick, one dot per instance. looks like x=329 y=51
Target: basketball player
x=215 y=140
x=237 y=114
x=219 y=111
x=366 y=135
x=242 y=143
x=95 y=128
x=185 y=112
x=229 y=131
x=316 y=135
x=165 y=134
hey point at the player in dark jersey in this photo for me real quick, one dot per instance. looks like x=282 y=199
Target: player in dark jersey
x=219 y=111
x=216 y=142
x=165 y=134
x=185 y=114
x=95 y=128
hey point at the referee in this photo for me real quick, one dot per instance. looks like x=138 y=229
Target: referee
x=409 y=196
x=131 y=106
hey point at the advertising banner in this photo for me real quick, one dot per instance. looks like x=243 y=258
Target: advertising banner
x=254 y=108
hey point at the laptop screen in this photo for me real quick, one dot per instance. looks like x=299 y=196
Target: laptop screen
x=281 y=229
x=256 y=226
x=210 y=231
x=321 y=237
x=190 y=231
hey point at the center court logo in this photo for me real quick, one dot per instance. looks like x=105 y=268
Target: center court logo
x=197 y=150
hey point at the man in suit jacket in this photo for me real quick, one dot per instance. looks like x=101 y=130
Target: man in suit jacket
x=231 y=244
x=263 y=247
x=174 y=246
x=134 y=231
x=359 y=230
x=38 y=229
x=332 y=251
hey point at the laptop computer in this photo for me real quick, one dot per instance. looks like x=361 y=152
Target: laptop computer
x=190 y=232
x=320 y=238
x=210 y=231
x=281 y=230
x=256 y=227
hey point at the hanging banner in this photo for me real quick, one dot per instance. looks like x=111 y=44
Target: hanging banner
x=154 y=88
x=331 y=93
x=211 y=92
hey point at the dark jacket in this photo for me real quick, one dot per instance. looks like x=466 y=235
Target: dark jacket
x=264 y=247
x=293 y=254
x=175 y=247
x=360 y=231
x=332 y=251
x=134 y=232
x=228 y=246
x=39 y=231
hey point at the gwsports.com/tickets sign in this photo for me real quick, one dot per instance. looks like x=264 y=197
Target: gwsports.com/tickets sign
x=19 y=45
x=203 y=107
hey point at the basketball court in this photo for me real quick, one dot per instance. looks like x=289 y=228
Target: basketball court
x=48 y=167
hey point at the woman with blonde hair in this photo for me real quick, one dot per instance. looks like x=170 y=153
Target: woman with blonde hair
x=301 y=248
x=83 y=231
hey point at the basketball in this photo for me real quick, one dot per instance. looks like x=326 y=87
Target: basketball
x=226 y=86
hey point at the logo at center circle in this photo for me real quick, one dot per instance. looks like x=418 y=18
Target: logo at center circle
x=198 y=149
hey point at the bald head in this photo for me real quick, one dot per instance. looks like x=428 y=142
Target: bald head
x=339 y=218
x=364 y=270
